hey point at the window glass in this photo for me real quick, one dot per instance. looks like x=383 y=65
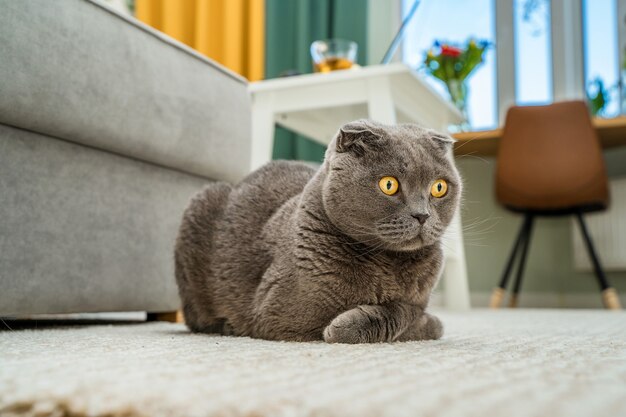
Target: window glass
x=601 y=56
x=533 y=54
x=456 y=22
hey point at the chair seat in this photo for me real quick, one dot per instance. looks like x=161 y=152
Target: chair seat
x=550 y=160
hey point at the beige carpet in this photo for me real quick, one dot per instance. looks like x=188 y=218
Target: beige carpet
x=506 y=363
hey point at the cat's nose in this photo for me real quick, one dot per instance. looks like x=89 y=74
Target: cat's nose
x=421 y=217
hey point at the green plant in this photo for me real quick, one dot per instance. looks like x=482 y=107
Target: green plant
x=597 y=96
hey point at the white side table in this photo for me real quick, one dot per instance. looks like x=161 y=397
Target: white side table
x=316 y=105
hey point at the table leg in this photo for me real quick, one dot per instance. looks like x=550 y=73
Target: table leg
x=380 y=101
x=456 y=294
x=262 y=135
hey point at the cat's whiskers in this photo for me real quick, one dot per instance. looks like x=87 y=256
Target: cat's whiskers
x=473 y=233
x=357 y=230
x=475 y=222
x=446 y=246
x=470 y=155
x=364 y=228
x=379 y=248
x=354 y=232
x=465 y=142
x=380 y=243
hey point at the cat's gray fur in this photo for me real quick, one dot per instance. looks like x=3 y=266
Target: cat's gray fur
x=292 y=253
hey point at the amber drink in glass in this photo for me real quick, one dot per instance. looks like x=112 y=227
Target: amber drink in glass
x=333 y=54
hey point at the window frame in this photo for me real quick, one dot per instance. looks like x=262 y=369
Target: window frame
x=567 y=50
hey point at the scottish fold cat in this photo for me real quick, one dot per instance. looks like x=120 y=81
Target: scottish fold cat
x=348 y=253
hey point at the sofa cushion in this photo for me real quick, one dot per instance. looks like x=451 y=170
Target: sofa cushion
x=84 y=230
x=76 y=70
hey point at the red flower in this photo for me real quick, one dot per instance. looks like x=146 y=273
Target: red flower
x=451 y=51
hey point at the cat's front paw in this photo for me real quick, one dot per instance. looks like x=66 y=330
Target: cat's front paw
x=430 y=328
x=427 y=327
x=353 y=326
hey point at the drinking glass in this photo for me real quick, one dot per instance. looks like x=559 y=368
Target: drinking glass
x=333 y=54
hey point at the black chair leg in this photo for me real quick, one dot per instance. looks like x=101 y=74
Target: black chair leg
x=517 y=285
x=609 y=295
x=498 y=293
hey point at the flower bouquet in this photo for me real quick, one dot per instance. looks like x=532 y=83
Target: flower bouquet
x=453 y=64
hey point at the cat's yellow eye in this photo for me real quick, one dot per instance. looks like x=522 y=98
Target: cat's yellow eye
x=388 y=185
x=439 y=188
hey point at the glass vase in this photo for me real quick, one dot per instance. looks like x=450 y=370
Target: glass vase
x=458 y=95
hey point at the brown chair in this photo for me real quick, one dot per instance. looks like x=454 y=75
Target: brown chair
x=550 y=163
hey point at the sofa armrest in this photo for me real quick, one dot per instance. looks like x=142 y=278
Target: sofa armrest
x=78 y=71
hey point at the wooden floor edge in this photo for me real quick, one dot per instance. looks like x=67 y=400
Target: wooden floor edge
x=171 y=316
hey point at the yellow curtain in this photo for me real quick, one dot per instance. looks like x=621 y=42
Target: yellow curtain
x=232 y=32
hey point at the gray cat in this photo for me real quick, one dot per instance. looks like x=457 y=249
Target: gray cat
x=348 y=253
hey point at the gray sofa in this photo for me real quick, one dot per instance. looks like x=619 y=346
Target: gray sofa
x=107 y=128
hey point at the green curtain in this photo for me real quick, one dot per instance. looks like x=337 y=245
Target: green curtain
x=291 y=27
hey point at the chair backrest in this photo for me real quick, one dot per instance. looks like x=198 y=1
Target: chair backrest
x=550 y=159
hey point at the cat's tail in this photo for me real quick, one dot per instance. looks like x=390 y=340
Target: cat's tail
x=193 y=253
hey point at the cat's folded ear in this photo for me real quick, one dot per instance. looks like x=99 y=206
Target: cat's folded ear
x=444 y=142
x=357 y=137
